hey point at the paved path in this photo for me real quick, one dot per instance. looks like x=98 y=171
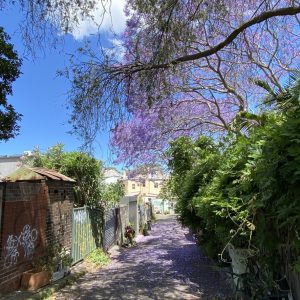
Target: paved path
x=165 y=265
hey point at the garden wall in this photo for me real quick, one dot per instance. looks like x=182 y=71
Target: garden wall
x=116 y=219
x=133 y=213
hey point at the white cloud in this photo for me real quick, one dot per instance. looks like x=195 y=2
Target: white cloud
x=110 y=18
x=117 y=49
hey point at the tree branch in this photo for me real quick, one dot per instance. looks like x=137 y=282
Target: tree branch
x=288 y=11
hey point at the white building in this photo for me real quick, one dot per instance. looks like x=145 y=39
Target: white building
x=8 y=164
x=112 y=175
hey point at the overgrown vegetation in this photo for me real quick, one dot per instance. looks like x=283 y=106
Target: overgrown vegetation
x=85 y=169
x=245 y=191
x=112 y=192
x=98 y=257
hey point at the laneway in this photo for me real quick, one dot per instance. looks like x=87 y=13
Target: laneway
x=165 y=265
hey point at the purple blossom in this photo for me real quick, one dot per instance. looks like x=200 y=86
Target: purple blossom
x=200 y=96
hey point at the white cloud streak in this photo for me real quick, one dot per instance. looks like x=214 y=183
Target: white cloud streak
x=111 y=17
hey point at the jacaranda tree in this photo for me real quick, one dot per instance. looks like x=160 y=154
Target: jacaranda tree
x=183 y=67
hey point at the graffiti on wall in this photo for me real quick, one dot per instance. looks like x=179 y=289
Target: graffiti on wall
x=27 y=239
x=12 y=251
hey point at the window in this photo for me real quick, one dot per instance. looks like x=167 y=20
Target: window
x=133 y=186
x=144 y=183
x=155 y=185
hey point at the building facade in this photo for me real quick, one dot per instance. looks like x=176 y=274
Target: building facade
x=147 y=186
x=112 y=175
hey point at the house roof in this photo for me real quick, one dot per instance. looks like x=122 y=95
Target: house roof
x=112 y=172
x=29 y=174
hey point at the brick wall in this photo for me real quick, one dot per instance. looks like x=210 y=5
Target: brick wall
x=23 y=234
x=61 y=197
x=33 y=214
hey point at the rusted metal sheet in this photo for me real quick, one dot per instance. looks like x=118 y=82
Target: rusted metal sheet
x=29 y=174
x=52 y=174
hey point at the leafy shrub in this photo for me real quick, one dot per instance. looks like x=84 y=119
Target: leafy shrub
x=245 y=191
x=192 y=165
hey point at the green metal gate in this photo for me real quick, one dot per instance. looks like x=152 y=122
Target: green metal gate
x=86 y=231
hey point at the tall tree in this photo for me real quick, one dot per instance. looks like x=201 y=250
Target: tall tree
x=9 y=71
x=90 y=187
x=185 y=67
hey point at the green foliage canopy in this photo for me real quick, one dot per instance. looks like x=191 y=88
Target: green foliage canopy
x=112 y=192
x=9 y=71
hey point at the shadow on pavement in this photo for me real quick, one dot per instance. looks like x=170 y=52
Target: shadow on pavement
x=165 y=265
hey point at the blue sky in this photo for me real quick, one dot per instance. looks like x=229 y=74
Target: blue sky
x=40 y=95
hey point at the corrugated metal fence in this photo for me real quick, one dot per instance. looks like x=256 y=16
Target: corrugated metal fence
x=110 y=228
x=93 y=228
x=86 y=231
